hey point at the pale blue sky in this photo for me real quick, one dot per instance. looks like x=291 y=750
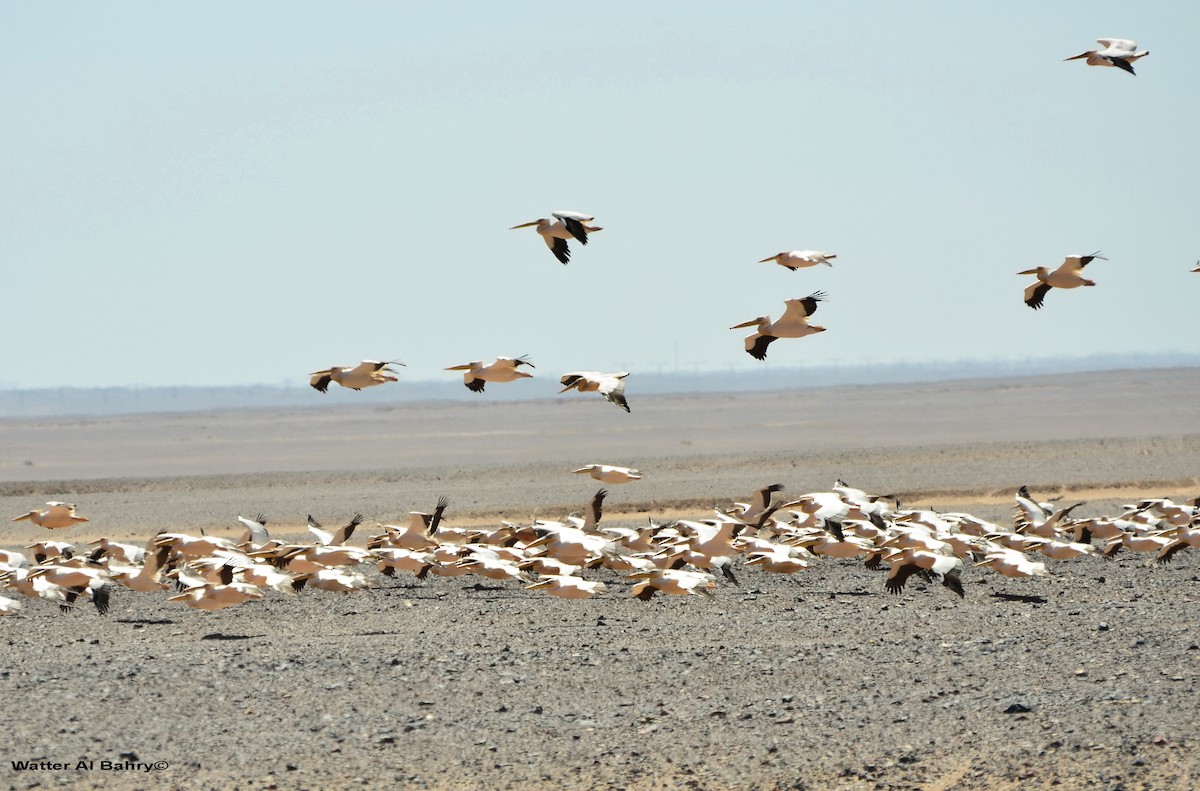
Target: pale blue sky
x=226 y=193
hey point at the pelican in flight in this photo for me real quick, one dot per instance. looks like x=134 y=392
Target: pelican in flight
x=564 y=226
x=1069 y=275
x=792 y=324
x=611 y=386
x=368 y=373
x=505 y=369
x=1119 y=52
x=607 y=473
x=1197 y=269
x=798 y=259
x=54 y=516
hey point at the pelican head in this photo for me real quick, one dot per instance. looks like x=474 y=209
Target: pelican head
x=1087 y=54
x=586 y=469
x=466 y=366
x=752 y=323
x=1041 y=270
x=542 y=221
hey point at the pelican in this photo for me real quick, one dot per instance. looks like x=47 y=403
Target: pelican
x=505 y=369
x=56 y=515
x=798 y=259
x=1119 y=52
x=368 y=373
x=611 y=386
x=567 y=587
x=1197 y=269
x=556 y=232
x=607 y=473
x=792 y=324
x=1066 y=276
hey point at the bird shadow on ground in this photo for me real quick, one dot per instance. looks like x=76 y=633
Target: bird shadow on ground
x=1020 y=597
x=146 y=621
x=223 y=636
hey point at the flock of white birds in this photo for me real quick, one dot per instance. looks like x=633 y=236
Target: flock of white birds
x=579 y=557
x=564 y=226
x=573 y=557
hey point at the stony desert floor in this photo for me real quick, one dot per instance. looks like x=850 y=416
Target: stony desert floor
x=1085 y=679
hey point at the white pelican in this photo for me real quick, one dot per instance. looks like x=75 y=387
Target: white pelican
x=798 y=259
x=1197 y=269
x=504 y=369
x=1119 y=52
x=673 y=582
x=607 y=473
x=556 y=232
x=56 y=515
x=368 y=373
x=217 y=596
x=792 y=324
x=930 y=565
x=9 y=606
x=567 y=587
x=611 y=386
x=337 y=537
x=1068 y=275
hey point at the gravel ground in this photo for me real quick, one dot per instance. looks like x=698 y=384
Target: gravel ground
x=1085 y=679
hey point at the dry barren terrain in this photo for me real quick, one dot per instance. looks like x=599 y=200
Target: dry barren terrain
x=1085 y=679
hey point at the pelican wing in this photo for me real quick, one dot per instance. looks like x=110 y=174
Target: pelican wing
x=1117 y=46
x=613 y=389
x=809 y=303
x=756 y=345
x=1035 y=294
x=320 y=380
x=560 y=249
x=1122 y=64
x=475 y=385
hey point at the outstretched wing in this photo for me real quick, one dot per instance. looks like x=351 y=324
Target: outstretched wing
x=756 y=345
x=1035 y=294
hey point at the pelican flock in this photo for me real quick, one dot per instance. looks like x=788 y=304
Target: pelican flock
x=580 y=557
x=1068 y=275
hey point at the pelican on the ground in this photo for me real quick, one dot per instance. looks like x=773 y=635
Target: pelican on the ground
x=54 y=516
x=1068 y=275
x=368 y=373
x=1119 y=52
x=565 y=225
x=798 y=259
x=611 y=386
x=504 y=369
x=607 y=473
x=792 y=324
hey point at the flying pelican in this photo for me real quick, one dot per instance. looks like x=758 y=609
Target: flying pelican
x=611 y=386
x=55 y=516
x=792 y=324
x=1068 y=275
x=503 y=370
x=368 y=373
x=798 y=259
x=1119 y=52
x=1197 y=269
x=556 y=232
x=607 y=473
